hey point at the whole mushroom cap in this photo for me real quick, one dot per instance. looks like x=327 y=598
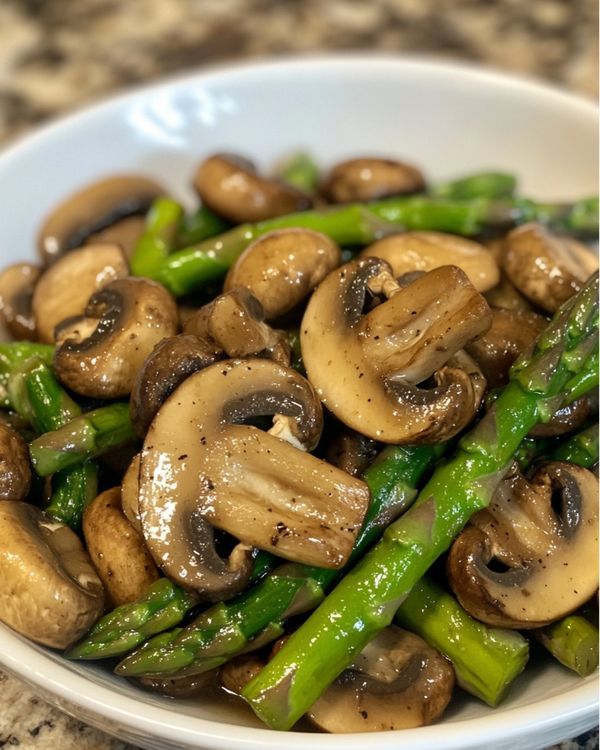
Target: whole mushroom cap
x=371 y=178
x=15 y=467
x=49 y=590
x=17 y=285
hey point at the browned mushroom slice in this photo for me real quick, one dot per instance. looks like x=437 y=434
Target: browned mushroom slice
x=17 y=283
x=117 y=549
x=124 y=233
x=366 y=367
x=367 y=179
x=234 y=324
x=423 y=251
x=532 y=556
x=93 y=209
x=172 y=360
x=64 y=288
x=397 y=682
x=130 y=488
x=234 y=675
x=230 y=186
x=351 y=451
x=566 y=419
x=202 y=468
x=49 y=591
x=99 y=354
x=545 y=268
x=283 y=267
x=15 y=469
x=511 y=332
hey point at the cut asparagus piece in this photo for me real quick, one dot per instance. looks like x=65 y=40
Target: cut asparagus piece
x=486 y=660
x=365 y=601
x=157 y=240
x=573 y=641
x=86 y=436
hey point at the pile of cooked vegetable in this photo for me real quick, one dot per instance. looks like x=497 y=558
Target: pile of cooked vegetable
x=329 y=442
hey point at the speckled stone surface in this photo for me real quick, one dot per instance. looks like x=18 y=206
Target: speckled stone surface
x=56 y=55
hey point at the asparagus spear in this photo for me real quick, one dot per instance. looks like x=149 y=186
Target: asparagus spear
x=156 y=242
x=226 y=627
x=493 y=185
x=581 y=448
x=359 y=224
x=34 y=391
x=573 y=641
x=14 y=354
x=486 y=660
x=86 y=436
x=162 y=607
x=365 y=601
x=301 y=172
x=200 y=225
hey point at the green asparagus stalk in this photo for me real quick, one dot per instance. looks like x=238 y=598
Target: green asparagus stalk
x=360 y=224
x=365 y=601
x=73 y=489
x=493 y=185
x=301 y=172
x=573 y=641
x=156 y=242
x=581 y=448
x=199 y=226
x=227 y=628
x=486 y=660
x=35 y=391
x=162 y=607
x=13 y=355
x=86 y=436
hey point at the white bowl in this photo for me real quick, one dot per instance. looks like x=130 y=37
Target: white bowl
x=449 y=119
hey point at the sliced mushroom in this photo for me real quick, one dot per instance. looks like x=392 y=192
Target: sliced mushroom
x=15 y=468
x=49 y=591
x=130 y=490
x=365 y=368
x=546 y=268
x=64 y=288
x=368 y=179
x=93 y=209
x=532 y=556
x=233 y=323
x=511 y=333
x=171 y=361
x=17 y=283
x=282 y=268
x=202 y=468
x=396 y=682
x=124 y=233
x=566 y=419
x=230 y=186
x=506 y=296
x=351 y=451
x=235 y=674
x=100 y=353
x=423 y=251
x=117 y=549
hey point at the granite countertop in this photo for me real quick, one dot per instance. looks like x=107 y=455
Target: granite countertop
x=58 y=54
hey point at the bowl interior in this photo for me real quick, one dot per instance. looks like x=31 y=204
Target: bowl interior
x=447 y=119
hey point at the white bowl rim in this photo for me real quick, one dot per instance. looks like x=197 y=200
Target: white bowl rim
x=580 y=704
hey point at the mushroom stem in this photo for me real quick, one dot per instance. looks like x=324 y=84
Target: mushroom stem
x=365 y=601
x=359 y=224
x=85 y=436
